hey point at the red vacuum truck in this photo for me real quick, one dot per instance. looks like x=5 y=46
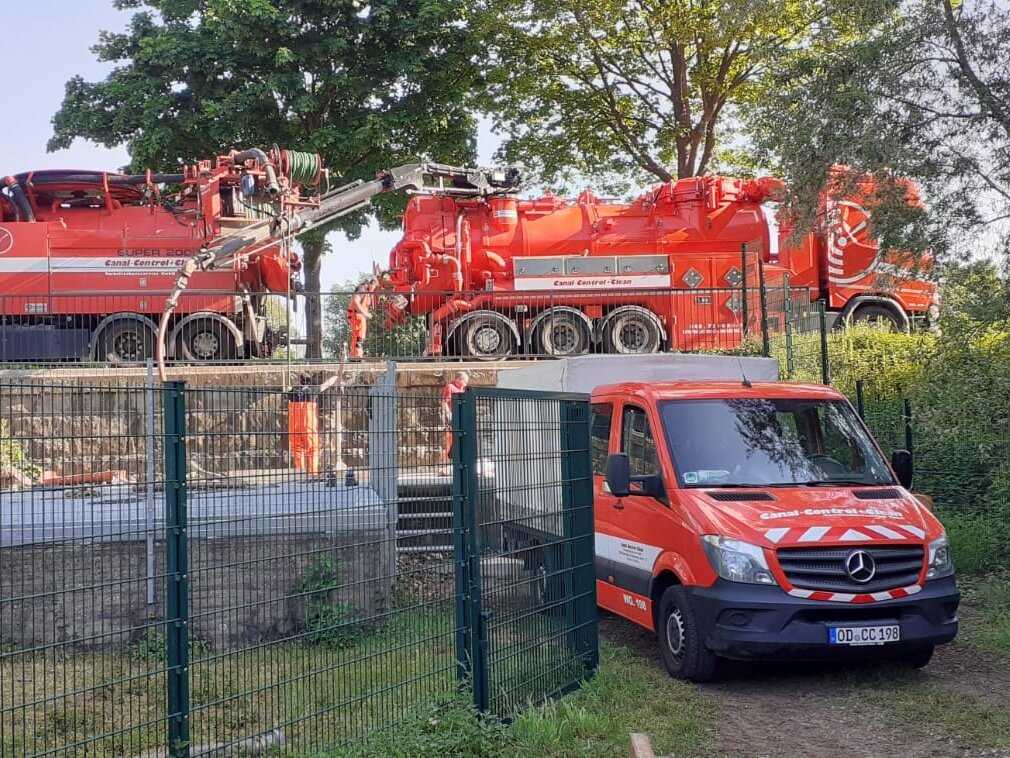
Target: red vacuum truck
x=93 y=263
x=498 y=275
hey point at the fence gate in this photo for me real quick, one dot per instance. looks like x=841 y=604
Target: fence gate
x=526 y=588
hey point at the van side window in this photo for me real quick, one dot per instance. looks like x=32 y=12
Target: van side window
x=602 y=420
x=638 y=443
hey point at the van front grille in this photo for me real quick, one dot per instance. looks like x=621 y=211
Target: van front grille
x=823 y=568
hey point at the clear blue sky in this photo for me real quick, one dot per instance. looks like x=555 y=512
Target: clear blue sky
x=46 y=42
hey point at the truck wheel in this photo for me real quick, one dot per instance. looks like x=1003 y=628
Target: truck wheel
x=486 y=338
x=918 y=658
x=125 y=340
x=632 y=330
x=879 y=316
x=680 y=641
x=206 y=340
x=563 y=333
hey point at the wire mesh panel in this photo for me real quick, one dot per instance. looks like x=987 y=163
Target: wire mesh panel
x=961 y=463
x=523 y=465
x=83 y=662
x=306 y=627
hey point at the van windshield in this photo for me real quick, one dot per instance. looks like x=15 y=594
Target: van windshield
x=770 y=442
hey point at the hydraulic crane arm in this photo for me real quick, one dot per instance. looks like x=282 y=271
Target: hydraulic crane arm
x=417 y=177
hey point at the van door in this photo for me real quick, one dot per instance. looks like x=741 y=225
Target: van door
x=629 y=528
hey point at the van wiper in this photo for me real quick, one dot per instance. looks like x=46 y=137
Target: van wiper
x=730 y=486
x=836 y=483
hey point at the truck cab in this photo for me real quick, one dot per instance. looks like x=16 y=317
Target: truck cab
x=761 y=520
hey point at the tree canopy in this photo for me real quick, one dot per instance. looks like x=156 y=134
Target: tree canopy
x=368 y=84
x=922 y=94
x=642 y=88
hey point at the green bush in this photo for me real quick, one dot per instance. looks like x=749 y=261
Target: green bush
x=327 y=622
x=959 y=392
x=887 y=362
x=12 y=454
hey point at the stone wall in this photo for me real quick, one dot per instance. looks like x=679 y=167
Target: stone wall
x=78 y=421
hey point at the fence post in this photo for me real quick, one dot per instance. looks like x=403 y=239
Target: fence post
x=176 y=570
x=470 y=592
x=788 y=316
x=150 y=514
x=860 y=407
x=907 y=413
x=766 y=344
x=745 y=307
x=577 y=505
x=382 y=457
x=825 y=369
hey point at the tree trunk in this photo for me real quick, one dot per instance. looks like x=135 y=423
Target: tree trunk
x=312 y=266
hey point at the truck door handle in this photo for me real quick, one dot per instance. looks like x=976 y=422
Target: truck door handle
x=619 y=505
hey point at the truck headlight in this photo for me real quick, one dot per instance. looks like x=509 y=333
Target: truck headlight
x=737 y=561
x=940 y=563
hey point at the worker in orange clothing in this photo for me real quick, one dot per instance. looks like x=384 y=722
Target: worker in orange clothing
x=303 y=423
x=455 y=387
x=358 y=313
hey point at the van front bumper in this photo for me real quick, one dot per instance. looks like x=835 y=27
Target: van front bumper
x=746 y=621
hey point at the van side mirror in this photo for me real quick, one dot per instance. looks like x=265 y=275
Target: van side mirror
x=901 y=462
x=619 y=479
x=618 y=474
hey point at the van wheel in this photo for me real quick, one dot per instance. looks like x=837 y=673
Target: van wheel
x=680 y=643
x=918 y=658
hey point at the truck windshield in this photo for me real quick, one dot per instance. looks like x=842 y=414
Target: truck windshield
x=770 y=442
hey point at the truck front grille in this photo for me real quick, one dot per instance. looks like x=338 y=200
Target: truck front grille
x=823 y=568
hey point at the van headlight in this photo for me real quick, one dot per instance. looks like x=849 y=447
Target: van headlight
x=737 y=561
x=940 y=563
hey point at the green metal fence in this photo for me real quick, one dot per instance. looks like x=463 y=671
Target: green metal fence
x=526 y=529
x=961 y=462
x=170 y=581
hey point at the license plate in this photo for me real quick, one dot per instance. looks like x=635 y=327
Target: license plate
x=864 y=635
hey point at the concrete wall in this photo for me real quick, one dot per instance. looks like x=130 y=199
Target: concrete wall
x=93 y=596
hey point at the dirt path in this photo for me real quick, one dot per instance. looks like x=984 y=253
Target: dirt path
x=815 y=711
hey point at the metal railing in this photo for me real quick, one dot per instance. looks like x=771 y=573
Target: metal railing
x=216 y=328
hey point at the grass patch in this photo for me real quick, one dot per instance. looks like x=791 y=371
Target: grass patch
x=628 y=694
x=915 y=702
x=113 y=702
x=985 y=613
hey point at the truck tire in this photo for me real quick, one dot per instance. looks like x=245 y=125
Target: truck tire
x=563 y=333
x=879 y=316
x=125 y=340
x=203 y=340
x=680 y=640
x=486 y=337
x=632 y=330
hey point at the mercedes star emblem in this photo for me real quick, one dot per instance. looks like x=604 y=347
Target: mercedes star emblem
x=860 y=566
x=6 y=241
